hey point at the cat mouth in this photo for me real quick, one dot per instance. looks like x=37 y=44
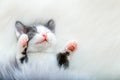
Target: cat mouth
x=43 y=41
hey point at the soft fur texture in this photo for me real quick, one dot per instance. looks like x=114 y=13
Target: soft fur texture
x=35 y=70
x=36 y=38
x=95 y=24
x=42 y=59
x=12 y=71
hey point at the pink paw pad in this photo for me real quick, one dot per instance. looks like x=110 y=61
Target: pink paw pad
x=24 y=42
x=72 y=46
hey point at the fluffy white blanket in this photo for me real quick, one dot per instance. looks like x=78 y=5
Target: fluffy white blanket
x=95 y=24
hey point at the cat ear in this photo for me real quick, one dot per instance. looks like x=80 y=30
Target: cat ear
x=51 y=25
x=20 y=27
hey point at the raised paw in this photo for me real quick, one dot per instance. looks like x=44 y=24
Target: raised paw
x=72 y=46
x=23 y=40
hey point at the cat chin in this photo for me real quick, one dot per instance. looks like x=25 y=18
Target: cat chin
x=40 y=47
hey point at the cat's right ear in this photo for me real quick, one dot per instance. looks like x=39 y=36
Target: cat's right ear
x=51 y=25
x=20 y=27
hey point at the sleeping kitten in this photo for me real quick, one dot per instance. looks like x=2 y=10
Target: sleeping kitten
x=35 y=58
x=38 y=39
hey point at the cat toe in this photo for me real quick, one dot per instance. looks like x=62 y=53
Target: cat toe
x=72 y=46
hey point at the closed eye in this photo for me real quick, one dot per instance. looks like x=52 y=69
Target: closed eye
x=38 y=32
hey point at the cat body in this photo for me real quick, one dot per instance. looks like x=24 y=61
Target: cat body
x=37 y=57
x=41 y=39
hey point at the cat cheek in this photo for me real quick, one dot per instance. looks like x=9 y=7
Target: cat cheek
x=47 y=32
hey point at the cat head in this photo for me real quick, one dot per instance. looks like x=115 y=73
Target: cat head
x=41 y=37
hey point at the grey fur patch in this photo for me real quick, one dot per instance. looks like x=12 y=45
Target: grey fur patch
x=21 y=28
x=35 y=72
x=51 y=25
x=62 y=59
x=31 y=31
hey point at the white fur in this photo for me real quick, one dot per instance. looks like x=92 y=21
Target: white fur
x=19 y=47
x=94 y=23
x=51 y=40
x=41 y=56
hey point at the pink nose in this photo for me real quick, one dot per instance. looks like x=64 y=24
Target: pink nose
x=44 y=39
x=45 y=35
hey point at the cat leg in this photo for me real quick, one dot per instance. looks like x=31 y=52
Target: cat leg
x=21 y=48
x=64 y=56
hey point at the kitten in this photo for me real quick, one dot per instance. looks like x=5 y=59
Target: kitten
x=39 y=38
x=32 y=60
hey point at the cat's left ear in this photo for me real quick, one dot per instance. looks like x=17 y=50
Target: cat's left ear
x=51 y=25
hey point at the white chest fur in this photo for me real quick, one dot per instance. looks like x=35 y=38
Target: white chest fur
x=45 y=60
